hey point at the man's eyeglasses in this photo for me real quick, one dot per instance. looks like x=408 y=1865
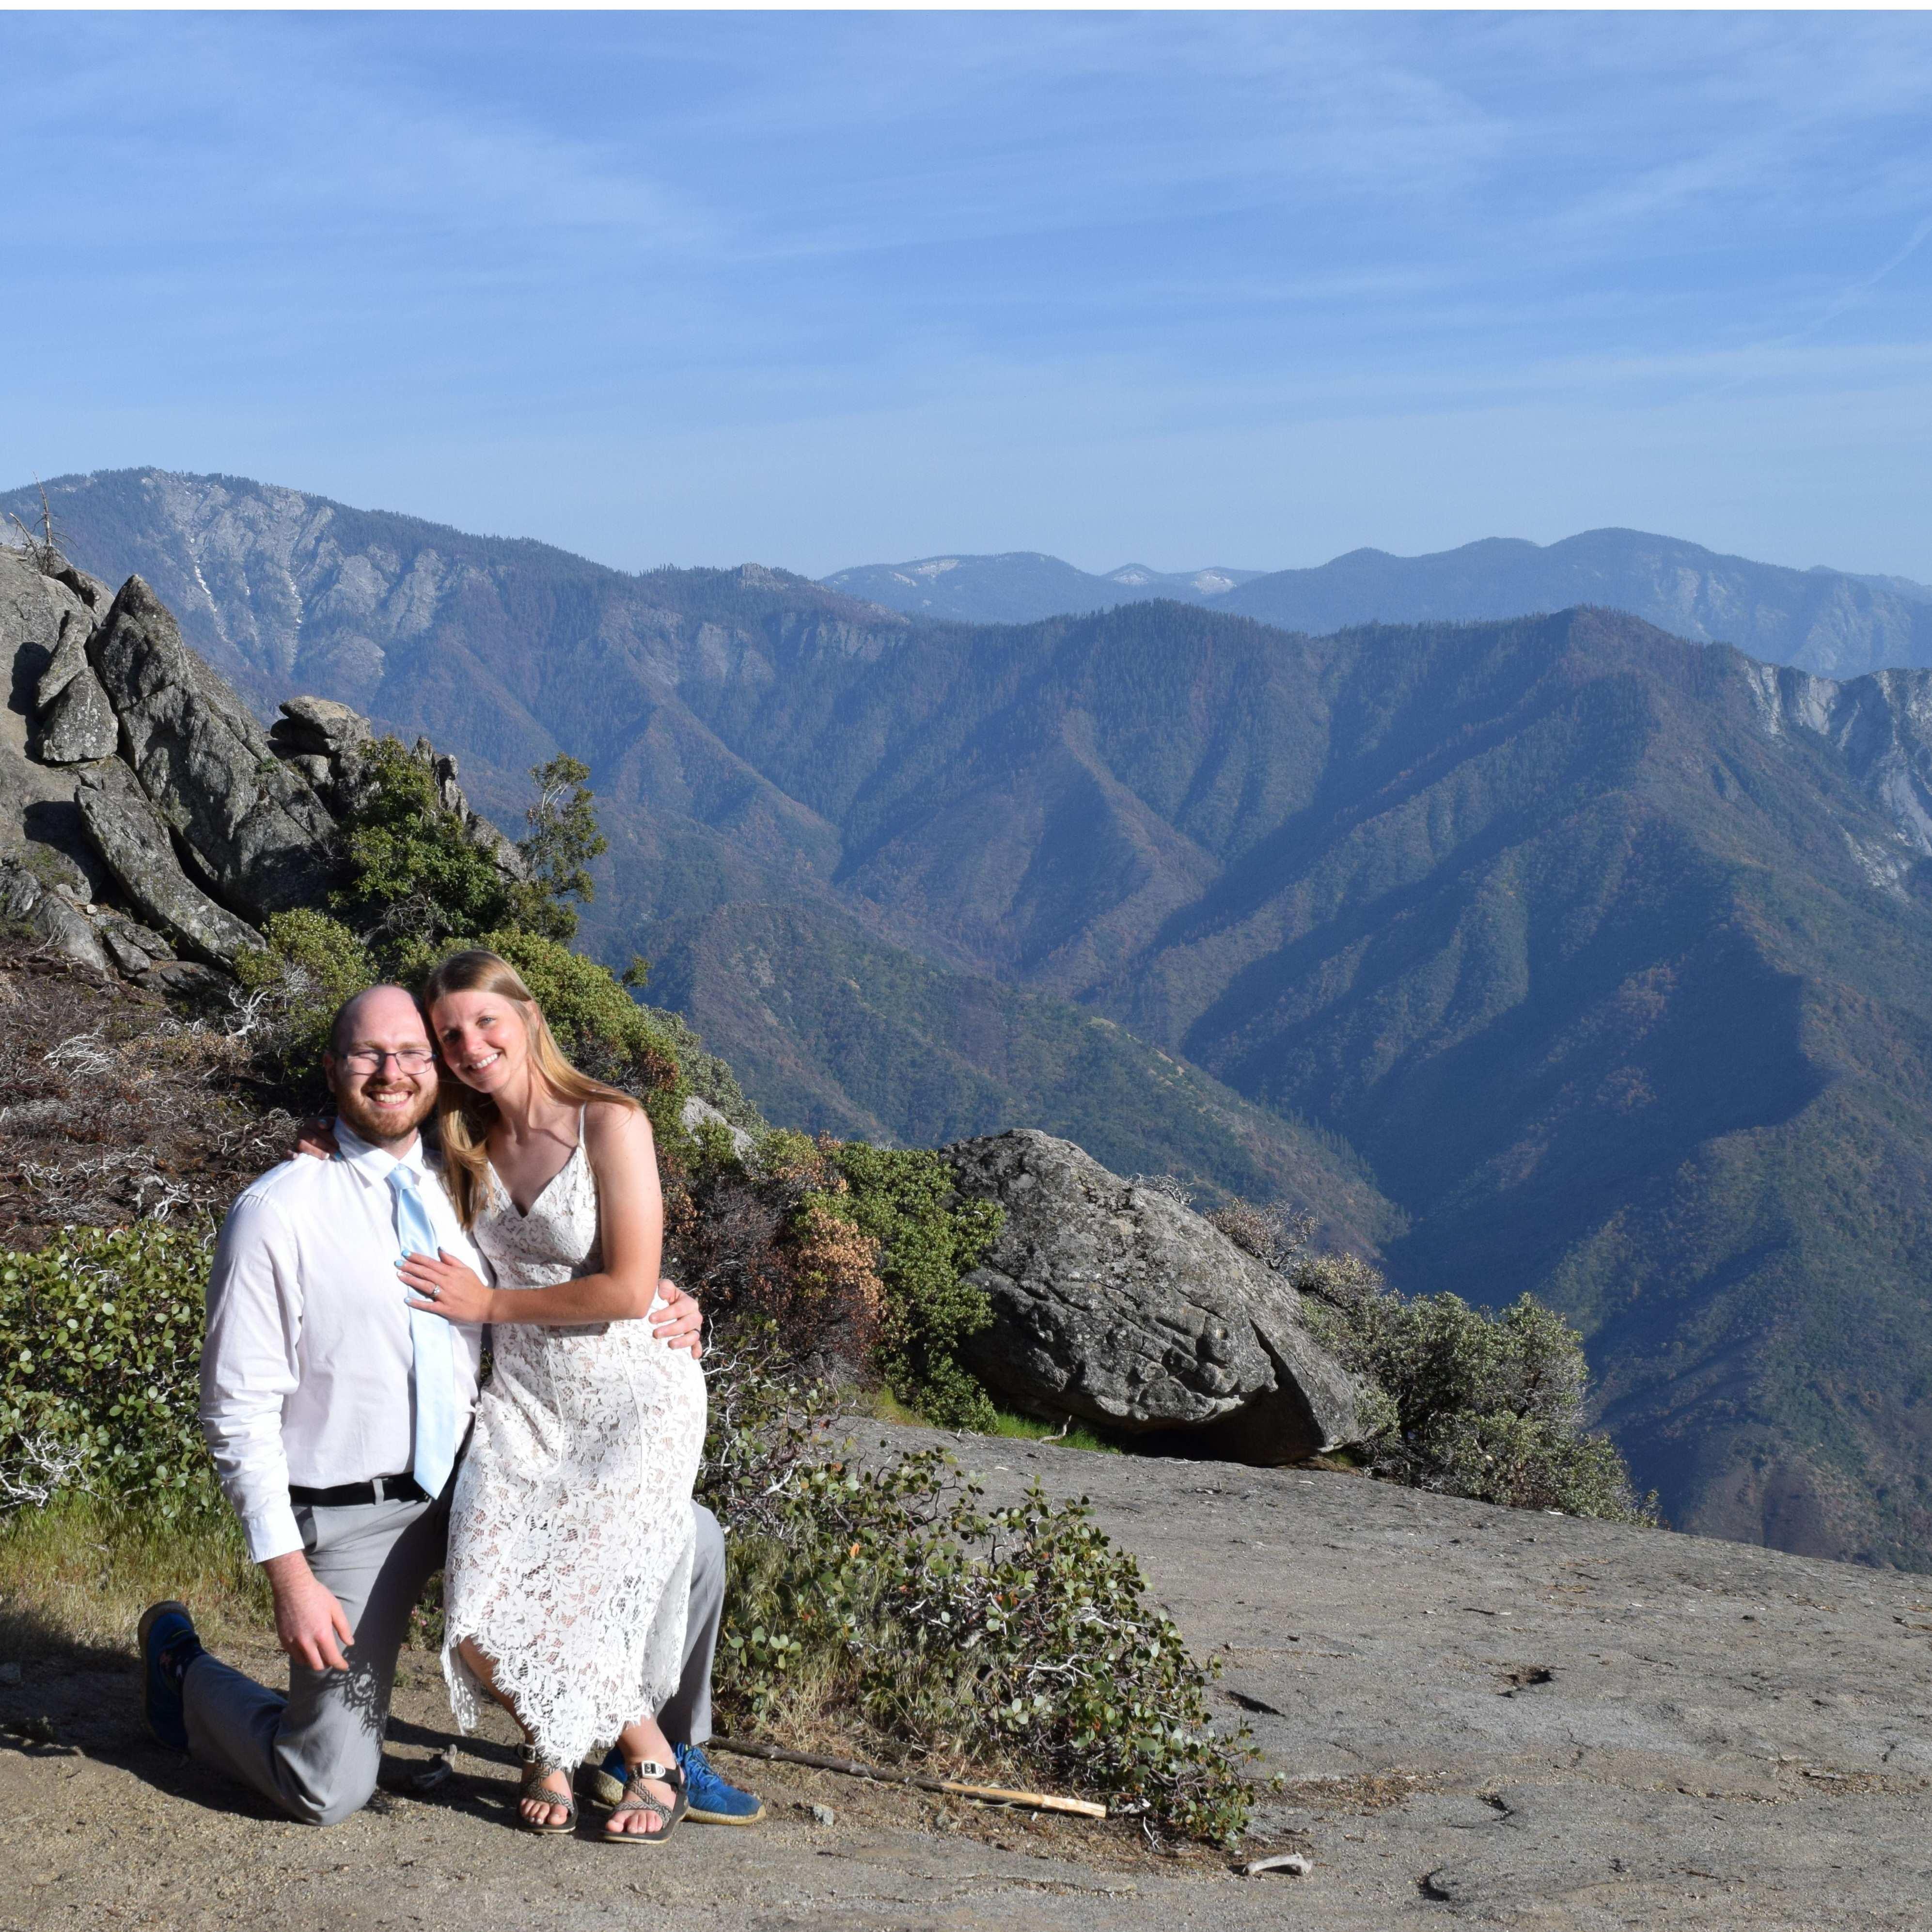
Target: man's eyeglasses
x=370 y=1059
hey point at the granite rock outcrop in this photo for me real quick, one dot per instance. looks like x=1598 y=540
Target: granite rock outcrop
x=253 y=827
x=1113 y=1302
x=142 y=807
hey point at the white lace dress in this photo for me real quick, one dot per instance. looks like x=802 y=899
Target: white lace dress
x=570 y=1535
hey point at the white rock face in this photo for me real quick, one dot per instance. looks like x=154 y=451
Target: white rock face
x=698 y=1112
x=1881 y=724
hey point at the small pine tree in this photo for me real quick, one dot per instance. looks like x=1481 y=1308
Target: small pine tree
x=563 y=840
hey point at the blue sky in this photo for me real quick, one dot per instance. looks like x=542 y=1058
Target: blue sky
x=827 y=290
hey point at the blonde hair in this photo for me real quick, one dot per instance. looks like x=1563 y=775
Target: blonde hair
x=465 y=1117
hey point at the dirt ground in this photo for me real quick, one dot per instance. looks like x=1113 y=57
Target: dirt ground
x=1482 y=1715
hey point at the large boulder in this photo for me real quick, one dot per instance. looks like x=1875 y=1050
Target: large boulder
x=70 y=658
x=1113 y=1302
x=77 y=723
x=256 y=827
x=42 y=621
x=130 y=835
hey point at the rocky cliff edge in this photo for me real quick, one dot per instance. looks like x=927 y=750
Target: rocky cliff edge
x=148 y=824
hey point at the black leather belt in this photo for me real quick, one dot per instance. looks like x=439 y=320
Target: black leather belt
x=346 y=1496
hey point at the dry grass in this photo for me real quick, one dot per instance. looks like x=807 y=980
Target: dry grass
x=114 y=1107
x=76 y=1576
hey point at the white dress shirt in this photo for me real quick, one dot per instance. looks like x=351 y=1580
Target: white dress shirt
x=305 y=1374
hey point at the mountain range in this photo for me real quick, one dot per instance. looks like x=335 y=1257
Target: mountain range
x=1019 y=586
x=1554 y=954
x=1830 y=622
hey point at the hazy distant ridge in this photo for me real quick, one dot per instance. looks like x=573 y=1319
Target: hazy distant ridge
x=1021 y=587
x=1831 y=622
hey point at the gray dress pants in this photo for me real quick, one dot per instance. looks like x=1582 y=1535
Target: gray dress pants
x=314 y=1753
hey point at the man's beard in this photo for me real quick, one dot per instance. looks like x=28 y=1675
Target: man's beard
x=380 y=1124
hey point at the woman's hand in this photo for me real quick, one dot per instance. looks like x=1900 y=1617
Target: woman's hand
x=316 y=1137
x=444 y=1286
x=679 y=1322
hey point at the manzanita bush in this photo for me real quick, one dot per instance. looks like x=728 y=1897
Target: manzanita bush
x=100 y=1353
x=1020 y=1636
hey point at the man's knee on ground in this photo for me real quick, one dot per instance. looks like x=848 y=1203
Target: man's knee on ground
x=335 y=1809
x=341 y=1797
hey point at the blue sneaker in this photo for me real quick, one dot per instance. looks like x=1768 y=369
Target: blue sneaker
x=168 y=1646
x=712 y=1801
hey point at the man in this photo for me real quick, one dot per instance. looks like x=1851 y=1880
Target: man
x=335 y=1419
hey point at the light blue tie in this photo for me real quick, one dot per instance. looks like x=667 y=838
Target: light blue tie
x=434 y=1376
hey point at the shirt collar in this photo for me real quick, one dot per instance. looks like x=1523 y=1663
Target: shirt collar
x=370 y=1164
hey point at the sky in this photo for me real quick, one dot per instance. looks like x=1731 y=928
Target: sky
x=818 y=290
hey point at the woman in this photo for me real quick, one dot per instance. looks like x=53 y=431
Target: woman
x=570 y=1536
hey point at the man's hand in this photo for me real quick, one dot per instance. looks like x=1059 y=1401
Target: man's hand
x=680 y=1323
x=310 y=1624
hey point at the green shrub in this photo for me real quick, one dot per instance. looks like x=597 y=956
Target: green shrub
x=857 y=1254
x=1019 y=1637
x=929 y=1239
x=1468 y=1403
x=313 y=963
x=1455 y=1399
x=765 y=1241
x=709 y=1076
x=100 y=1348
x=414 y=877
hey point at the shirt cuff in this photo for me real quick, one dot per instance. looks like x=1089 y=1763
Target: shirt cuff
x=272 y=1533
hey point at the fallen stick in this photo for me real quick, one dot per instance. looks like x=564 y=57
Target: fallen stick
x=849 y=1767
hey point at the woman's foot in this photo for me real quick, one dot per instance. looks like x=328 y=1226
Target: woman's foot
x=647 y=1810
x=710 y=1799
x=649 y=1806
x=536 y=1807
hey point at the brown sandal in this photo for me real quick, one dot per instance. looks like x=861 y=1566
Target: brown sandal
x=636 y=1798
x=536 y=1770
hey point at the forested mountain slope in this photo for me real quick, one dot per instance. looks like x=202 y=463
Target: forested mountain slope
x=507 y=651
x=1606 y=951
